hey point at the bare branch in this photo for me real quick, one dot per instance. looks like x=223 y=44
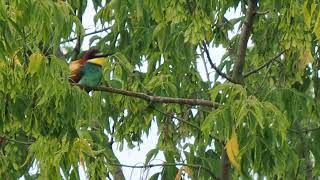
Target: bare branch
x=264 y=65
x=205 y=66
x=224 y=164
x=88 y=34
x=197 y=166
x=150 y=98
x=116 y=171
x=237 y=70
x=213 y=66
x=243 y=42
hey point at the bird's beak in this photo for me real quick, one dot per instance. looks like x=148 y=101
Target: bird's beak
x=101 y=54
x=98 y=61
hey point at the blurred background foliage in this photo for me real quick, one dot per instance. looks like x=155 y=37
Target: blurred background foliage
x=47 y=123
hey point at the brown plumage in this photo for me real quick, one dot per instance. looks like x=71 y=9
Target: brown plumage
x=77 y=66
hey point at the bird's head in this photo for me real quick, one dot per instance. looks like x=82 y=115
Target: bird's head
x=91 y=53
x=98 y=61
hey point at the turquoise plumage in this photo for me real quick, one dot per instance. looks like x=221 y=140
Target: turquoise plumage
x=91 y=75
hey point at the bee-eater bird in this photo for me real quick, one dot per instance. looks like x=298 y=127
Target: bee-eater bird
x=76 y=67
x=91 y=74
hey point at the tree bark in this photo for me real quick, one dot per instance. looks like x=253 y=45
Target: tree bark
x=244 y=37
x=238 y=69
x=315 y=79
x=306 y=156
x=77 y=47
x=150 y=98
x=116 y=171
x=225 y=165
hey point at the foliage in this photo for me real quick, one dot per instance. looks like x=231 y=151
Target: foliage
x=54 y=127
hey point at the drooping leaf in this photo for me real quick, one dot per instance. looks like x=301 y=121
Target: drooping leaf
x=232 y=148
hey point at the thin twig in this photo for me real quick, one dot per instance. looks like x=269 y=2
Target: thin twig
x=297 y=172
x=262 y=82
x=183 y=121
x=198 y=166
x=88 y=34
x=205 y=66
x=175 y=117
x=259 y=13
x=150 y=98
x=213 y=66
x=315 y=77
x=304 y=130
x=16 y=141
x=112 y=134
x=264 y=65
x=77 y=47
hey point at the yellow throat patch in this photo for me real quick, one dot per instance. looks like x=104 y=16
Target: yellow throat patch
x=98 y=61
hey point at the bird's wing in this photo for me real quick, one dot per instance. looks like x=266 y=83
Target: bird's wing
x=75 y=68
x=92 y=75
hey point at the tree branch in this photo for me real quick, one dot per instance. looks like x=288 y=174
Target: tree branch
x=177 y=118
x=224 y=164
x=213 y=66
x=116 y=171
x=205 y=66
x=238 y=69
x=243 y=42
x=259 y=86
x=315 y=78
x=304 y=130
x=4 y=137
x=150 y=98
x=88 y=34
x=306 y=156
x=198 y=166
x=263 y=65
x=77 y=47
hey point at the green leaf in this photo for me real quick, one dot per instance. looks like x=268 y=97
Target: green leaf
x=151 y=155
x=316 y=29
x=306 y=14
x=125 y=64
x=242 y=113
x=256 y=110
x=155 y=176
x=116 y=83
x=35 y=61
x=139 y=5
